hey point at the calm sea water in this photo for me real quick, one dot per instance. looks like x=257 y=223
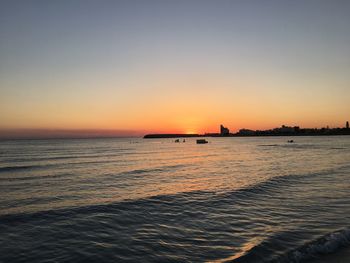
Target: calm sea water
x=134 y=200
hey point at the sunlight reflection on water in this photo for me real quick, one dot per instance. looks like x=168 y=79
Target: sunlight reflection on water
x=155 y=200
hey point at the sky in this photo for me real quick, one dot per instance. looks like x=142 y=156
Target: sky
x=173 y=66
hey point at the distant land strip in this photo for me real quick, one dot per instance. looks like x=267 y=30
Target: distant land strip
x=171 y=135
x=282 y=131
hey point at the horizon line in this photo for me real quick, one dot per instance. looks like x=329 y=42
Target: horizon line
x=89 y=133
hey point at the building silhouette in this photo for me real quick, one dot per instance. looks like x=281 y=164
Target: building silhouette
x=347 y=125
x=224 y=131
x=246 y=132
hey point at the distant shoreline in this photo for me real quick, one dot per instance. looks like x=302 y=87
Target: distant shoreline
x=160 y=136
x=282 y=131
x=167 y=136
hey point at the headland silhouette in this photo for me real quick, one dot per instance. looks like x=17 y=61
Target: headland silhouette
x=280 y=131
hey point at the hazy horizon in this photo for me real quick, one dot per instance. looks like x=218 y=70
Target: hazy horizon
x=42 y=133
x=173 y=66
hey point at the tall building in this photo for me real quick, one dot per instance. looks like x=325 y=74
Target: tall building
x=347 y=125
x=224 y=131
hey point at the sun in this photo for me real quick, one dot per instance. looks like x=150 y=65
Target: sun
x=191 y=131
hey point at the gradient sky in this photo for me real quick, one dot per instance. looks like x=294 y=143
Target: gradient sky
x=174 y=66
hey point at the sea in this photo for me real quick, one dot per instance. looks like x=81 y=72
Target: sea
x=256 y=199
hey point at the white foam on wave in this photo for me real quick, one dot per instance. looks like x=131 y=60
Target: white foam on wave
x=324 y=245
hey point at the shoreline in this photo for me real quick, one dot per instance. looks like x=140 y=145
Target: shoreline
x=172 y=136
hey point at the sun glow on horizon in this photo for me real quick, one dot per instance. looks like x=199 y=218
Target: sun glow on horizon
x=191 y=132
x=172 y=67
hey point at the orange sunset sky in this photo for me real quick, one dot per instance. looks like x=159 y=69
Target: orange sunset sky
x=173 y=66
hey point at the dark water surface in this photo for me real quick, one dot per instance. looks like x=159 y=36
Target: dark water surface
x=135 y=200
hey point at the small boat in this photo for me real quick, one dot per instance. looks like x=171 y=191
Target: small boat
x=201 y=141
x=177 y=140
x=290 y=141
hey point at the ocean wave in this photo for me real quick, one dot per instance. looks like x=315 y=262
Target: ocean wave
x=276 y=183
x=196 y=211
x=36 y=177
x=266 y=250
x=259 y=190
x=326 y=244
x=144 y=171
x=77 y=156
x=302 y=146
x=17 y=168
x=150 y=170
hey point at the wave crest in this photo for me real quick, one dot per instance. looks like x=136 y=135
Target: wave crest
x=326 y=244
